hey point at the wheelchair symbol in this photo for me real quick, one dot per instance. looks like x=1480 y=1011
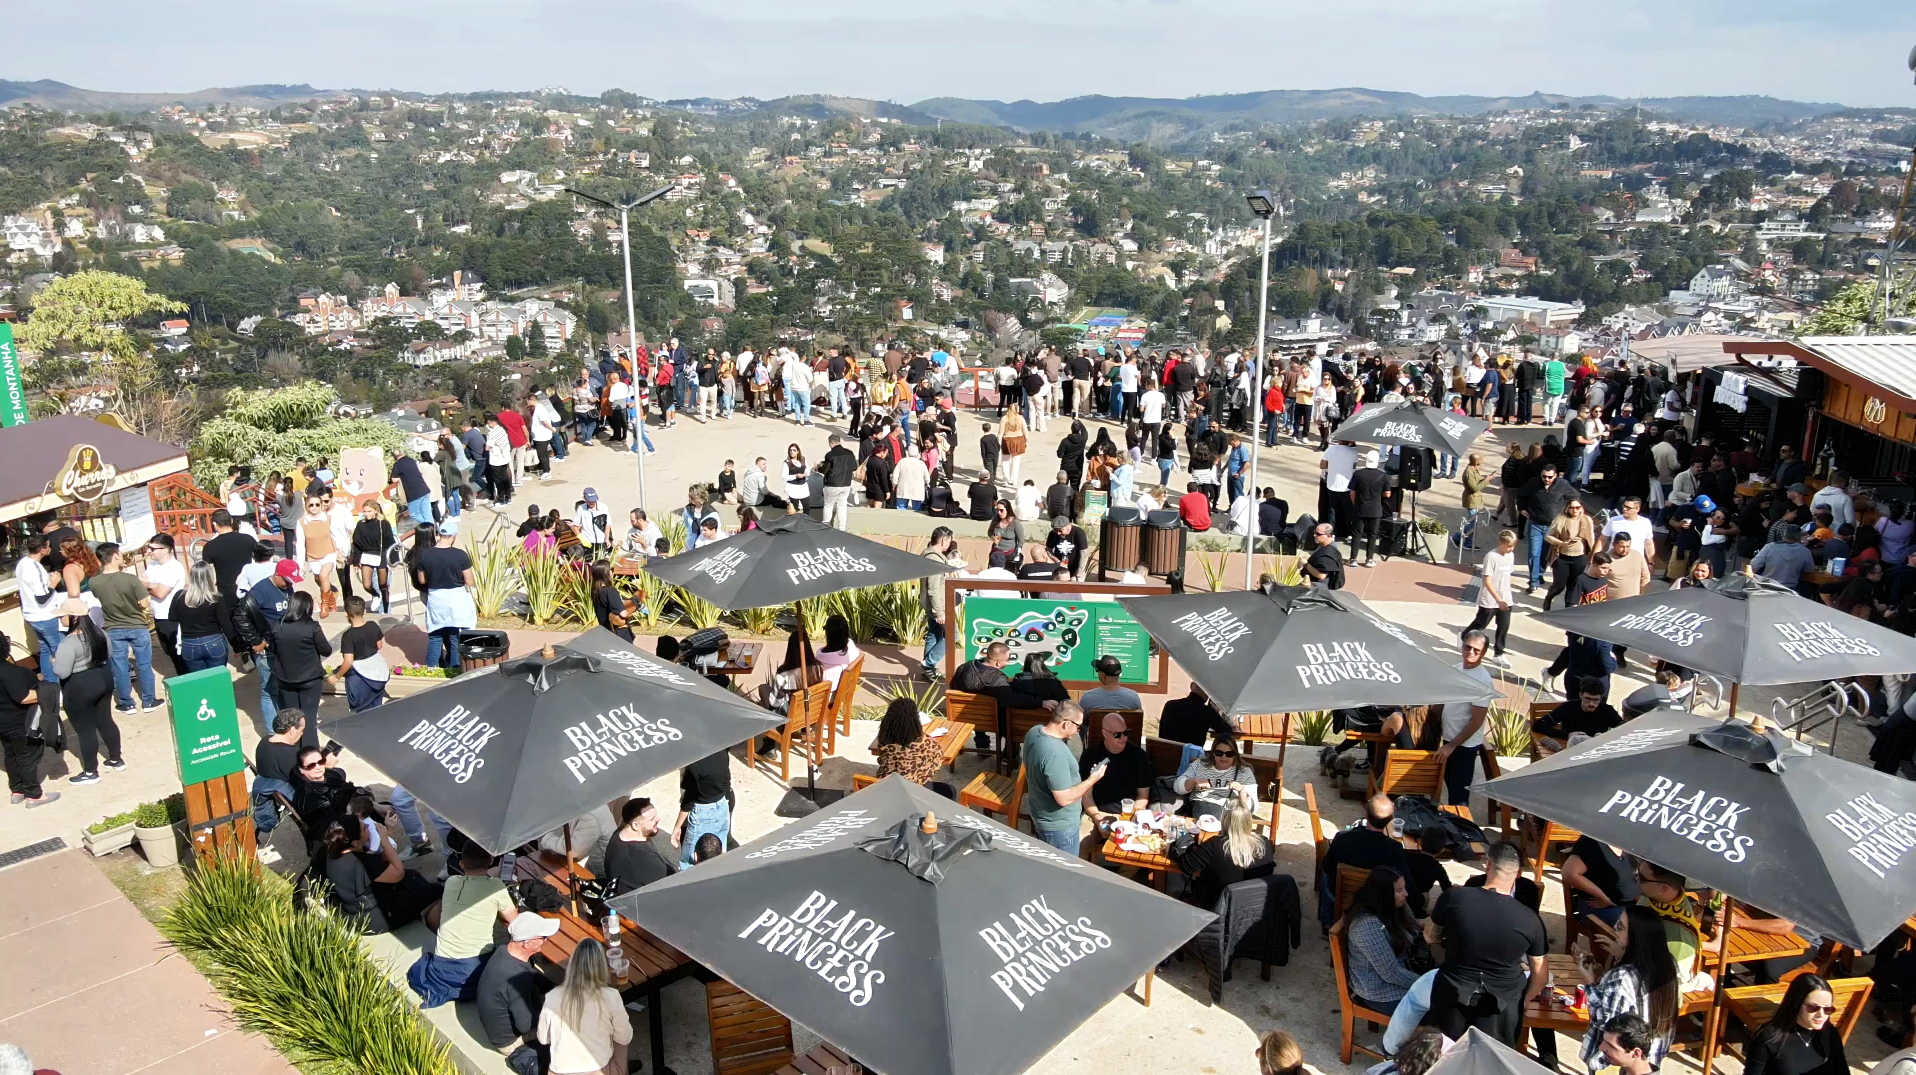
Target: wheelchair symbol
x=206 y=710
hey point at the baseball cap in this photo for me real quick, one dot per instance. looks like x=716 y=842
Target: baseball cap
x=288 y=569
x=591 y=493
x=1060 y=522
x=532 y=927
x=449 y=526
x=1800 y=489
x=1704 y=503
x=1823 y=533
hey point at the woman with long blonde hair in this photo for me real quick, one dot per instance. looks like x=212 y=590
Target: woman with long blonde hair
x=583 y=1021
x=1237 y=853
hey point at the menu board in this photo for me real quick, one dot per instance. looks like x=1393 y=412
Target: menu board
x=1070 y=634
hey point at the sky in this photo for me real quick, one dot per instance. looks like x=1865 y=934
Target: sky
x=1851 y=53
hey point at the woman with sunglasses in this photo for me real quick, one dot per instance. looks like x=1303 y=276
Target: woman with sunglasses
x=1214 y=778
x=1800 y=1038
x=1571 y=538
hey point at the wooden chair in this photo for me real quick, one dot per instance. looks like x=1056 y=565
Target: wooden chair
x=1349 y=1010
x=1018 y=724
x=996 y=793
x=1319 y=842
x=1270 y=788
x=1349 y=880
x=978 y=710
x=1552 y=835
x=861 y=781
x=1164 y=754
x=748 y=1037
x=841 y=705
x=1409 y=772
x=804 y=725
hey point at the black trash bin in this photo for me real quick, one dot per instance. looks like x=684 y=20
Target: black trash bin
x=481 y=649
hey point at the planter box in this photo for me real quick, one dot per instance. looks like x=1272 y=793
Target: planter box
x=161 y=846
x=407 y=686
x=114 y=839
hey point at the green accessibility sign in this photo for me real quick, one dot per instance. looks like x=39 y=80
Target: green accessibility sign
x=13 y=390
x=205 y=725
x=1069 y=634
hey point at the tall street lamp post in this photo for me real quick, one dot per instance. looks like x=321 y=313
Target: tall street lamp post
x=1264 y=204
x=624 y=210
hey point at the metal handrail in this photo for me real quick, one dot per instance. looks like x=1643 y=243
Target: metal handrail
x=1828 y=704
x=1706 y=679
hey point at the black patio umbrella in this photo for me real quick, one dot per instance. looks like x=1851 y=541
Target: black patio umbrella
x=1414 y=425
x=969 y=950
x=1294 y=649
x=1477 y=1053
x=519 y=749
x=1750 y=813
x=1745 y=629
x=791 y=557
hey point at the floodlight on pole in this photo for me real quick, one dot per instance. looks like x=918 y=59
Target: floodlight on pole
x=1264 y=205
x=624 y=210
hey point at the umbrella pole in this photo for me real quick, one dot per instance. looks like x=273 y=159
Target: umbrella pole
x=1733 y=688
x=1713 y=1021
x=571 y=878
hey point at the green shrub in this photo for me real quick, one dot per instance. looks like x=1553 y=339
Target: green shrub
x=760 y=621
x=165 y=811
x=928 y=697
x=695 y=611
x=495 y=574
x=1314 y=727
x=111 y=822
x=1507 y=732
x=299 y=976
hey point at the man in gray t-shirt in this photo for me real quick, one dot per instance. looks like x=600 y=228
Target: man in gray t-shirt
x=1109 y=693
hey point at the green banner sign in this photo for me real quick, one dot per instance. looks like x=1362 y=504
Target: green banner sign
x=13 y=391
x=1070 y=634
x=205 y=725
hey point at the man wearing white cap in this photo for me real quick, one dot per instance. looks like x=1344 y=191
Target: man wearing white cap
x=511 y=991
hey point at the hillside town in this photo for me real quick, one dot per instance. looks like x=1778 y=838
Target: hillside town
x=535 y=583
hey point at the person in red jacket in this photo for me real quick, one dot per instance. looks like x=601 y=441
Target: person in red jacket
x=1194 y=507
x=1273 y=410
x=514 y=424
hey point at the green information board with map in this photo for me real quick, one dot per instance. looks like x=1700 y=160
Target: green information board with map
x=1070 y=634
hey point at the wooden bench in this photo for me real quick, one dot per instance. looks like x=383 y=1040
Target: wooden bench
x=861 y=781
x=1018 y=724
x=748 y=1036
x=819 y=1061
x=1319 y=842
x=1349 y=880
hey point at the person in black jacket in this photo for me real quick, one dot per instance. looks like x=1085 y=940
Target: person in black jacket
x=1366 y=847
x=1273 y=515
x=1071 y=453
x=1539 y=502
x=1237 y=854
x=988 y=448
x=299 y=643
x=985 y=675
x=372 y=537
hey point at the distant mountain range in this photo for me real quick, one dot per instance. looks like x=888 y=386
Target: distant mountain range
x=59 y=96
x=1160 y=119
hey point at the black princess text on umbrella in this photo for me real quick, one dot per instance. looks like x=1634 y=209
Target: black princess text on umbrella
x=840 y=948
x=1037 y=944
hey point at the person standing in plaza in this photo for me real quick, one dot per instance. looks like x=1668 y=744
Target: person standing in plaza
x=40 y=602
x=445 y=576
x=931 y=590
x=1494 y=596
x=705 y=791
x=1054 y=789
x=20 y=736
x=499 y=460
x=836 y=469
x=123 y=601
x=86 y=686
x=165 y=579
x=1463 y=724
x=1014 y=442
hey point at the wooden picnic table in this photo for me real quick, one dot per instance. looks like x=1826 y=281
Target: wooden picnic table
x=1751 y=946
x=1549 y=1013
x=739 y=658
x=651 y=964
x=1909 y=925
x=1819 y=578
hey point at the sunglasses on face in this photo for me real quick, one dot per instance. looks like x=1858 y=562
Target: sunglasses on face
x=1224 y=753
x=1820 y=1009
x=1121 y=734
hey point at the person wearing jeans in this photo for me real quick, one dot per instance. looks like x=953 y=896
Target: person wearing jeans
x=1054 y=793
x=407 y=808
x=131 y=650
x=124 y=606
x=705 y=804
x=1463 y=724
